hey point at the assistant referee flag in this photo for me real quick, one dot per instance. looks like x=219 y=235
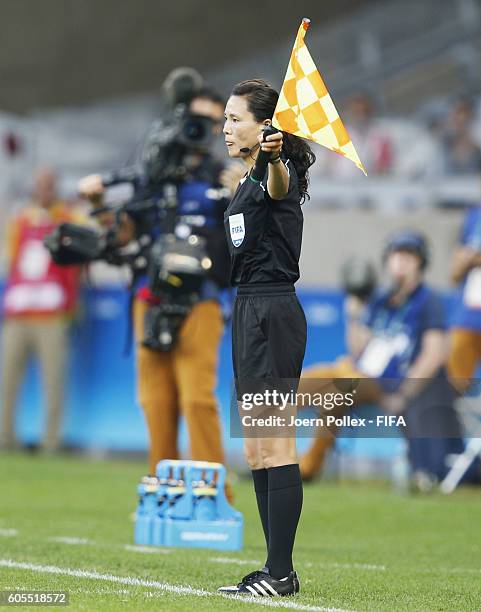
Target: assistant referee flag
x=305 y=107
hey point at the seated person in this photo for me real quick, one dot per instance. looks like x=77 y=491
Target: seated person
x=398 y=350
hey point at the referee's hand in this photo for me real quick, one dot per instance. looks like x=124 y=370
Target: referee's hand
x=272 y=144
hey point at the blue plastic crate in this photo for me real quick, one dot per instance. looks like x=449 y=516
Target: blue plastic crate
x=185 y=506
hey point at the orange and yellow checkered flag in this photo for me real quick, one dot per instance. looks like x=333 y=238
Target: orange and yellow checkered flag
x=305 y=107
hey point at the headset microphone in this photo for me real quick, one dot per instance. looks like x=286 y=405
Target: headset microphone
x=251 y=150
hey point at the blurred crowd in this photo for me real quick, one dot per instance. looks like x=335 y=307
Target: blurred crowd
x=442 y=140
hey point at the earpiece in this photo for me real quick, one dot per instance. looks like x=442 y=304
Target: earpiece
x=251 y=150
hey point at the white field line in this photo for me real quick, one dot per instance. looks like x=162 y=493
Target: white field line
x=8 y=533
x=457 y=570
x=362 y=566
x=275 y=603
x=147 y=549
x=233 y=561
x=73 y=541
x=70 y=540
x=153 y=584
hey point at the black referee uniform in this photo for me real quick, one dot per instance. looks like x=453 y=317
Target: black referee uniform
x=268 y=343
x=268 y=325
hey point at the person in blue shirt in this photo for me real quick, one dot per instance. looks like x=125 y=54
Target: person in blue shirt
x=465 y=336
x=398 y=350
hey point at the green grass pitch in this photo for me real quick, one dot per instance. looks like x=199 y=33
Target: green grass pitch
x=66 y=524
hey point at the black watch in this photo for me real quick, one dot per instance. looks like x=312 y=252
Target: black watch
x=275 y=160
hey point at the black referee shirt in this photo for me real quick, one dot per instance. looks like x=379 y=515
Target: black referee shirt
x=264 y=235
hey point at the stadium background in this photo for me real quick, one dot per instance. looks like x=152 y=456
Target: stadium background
x=75 y=72
x=80 y=84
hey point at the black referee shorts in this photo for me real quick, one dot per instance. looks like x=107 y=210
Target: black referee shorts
x=269 y=333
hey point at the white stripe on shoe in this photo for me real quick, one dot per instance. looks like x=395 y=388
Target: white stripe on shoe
x=253 y=591
x=260 y=589
x=268 y=587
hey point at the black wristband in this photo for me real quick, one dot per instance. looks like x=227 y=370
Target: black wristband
x=276 y=160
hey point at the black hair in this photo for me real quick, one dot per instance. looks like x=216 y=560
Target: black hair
x=261 y=102
x=209 y=93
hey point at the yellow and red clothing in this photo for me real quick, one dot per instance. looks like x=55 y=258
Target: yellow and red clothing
x=39 y=300
x=36 y=286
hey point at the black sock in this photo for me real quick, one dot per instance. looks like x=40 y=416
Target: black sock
x=285 y=504
x=260 y=479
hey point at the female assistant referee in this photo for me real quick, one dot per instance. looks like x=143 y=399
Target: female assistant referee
x=264 y=232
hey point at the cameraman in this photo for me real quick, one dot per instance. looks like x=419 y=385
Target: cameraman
x=182 y=380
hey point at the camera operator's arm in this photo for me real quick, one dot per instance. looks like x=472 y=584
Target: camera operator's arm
x=464 y=258
x=91 y=187
x=358 y=334
x=433 y=355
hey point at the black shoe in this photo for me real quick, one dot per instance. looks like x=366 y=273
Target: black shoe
x=262 y=584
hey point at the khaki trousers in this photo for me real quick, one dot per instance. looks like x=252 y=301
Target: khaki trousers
x=464 y=356
x=182 y=381
x=46 y=338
